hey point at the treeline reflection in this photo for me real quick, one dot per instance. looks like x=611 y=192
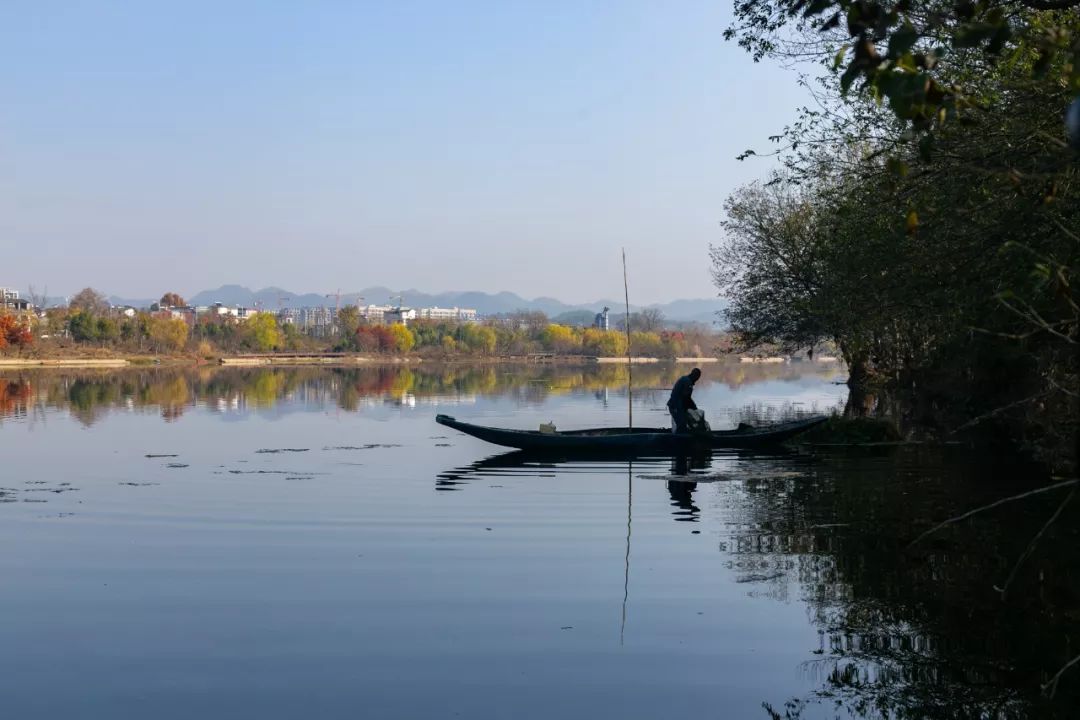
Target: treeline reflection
x=915 y=631
x=90 y=394
x=905 y=631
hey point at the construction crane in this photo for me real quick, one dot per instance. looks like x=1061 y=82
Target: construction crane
x=337 y=299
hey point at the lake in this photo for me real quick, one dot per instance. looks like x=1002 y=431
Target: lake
x=283 y=543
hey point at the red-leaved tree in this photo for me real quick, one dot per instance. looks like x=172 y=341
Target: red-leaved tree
x=375 y=338
x=13 y=332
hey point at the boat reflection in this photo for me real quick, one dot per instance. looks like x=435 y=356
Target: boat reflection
x=519 y=463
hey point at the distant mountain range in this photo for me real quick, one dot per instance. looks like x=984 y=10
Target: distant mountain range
x=272 y=298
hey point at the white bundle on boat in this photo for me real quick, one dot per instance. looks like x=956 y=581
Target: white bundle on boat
x=695 y=421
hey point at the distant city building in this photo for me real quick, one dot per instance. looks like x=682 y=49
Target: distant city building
x=374 y=313
x=317 y=321
x=10 y=300
x=454 y=314
x=388 y=314
x=399 y=316
x=191 y=314
x=601 y=320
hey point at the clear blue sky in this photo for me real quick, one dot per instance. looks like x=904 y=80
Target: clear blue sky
x=151 y=146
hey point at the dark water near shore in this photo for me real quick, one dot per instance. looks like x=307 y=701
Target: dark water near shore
x=276 y=543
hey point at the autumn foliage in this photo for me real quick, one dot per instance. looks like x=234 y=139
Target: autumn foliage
x=14 y=333
x=384 y=338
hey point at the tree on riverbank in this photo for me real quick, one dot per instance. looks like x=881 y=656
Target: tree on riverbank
x=261 y=332
x=925 y=220
x=90 y=301
x=212 y=333
x=14 y=332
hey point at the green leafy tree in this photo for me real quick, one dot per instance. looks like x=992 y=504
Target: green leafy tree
x=348 y=321
x=107 y=330
x=927 y=60
x=82 y=326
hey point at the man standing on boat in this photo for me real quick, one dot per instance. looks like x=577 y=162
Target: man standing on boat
x=681 y=400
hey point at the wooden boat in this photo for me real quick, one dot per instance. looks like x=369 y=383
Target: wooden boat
x=632 y=440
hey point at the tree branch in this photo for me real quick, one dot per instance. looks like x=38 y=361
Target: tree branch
x=1035 y=541
x=1050 y=4
x=1052 y=683
x=992 y=505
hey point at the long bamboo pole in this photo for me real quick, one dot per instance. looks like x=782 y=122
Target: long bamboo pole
x=629 y=361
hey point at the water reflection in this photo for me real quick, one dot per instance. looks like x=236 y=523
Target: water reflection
x=91 y=394
x=374 y=551
x=905 y=631
x=682 y=498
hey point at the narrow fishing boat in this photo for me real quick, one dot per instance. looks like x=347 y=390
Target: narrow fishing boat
x=632 y=440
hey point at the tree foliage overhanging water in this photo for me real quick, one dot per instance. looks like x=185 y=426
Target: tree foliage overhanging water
x=927 y=217
x=927 y=220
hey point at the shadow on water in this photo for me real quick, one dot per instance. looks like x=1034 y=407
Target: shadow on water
x=907 y=629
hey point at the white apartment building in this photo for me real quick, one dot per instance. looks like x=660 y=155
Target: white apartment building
x=9 y=299
x=454 y=314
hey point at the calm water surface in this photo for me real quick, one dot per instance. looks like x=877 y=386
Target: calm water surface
x=280 y=543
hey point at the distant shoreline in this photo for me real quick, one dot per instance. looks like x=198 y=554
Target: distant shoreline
x=354 y=359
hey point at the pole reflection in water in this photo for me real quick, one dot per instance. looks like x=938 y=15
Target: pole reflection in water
x=626 y=574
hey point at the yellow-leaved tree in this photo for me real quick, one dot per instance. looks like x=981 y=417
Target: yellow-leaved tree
x=167 y=333
x=261 y=332
x=404 y=340
x=560 y=338
x=604 y=343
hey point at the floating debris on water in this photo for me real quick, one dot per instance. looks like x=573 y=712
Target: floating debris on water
x=290 y=473
x=280 y=450
x=176 y=465
x=369 y=446
x=758 y=578
x=151 y=455
x=139 y=484
x=443 y=445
